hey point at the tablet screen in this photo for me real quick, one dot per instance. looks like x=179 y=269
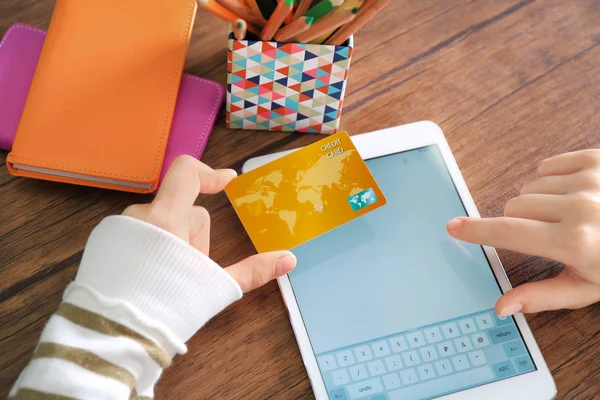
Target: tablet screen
x=397 y=309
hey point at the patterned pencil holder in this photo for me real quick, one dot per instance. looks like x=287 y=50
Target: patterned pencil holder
x=286 y=86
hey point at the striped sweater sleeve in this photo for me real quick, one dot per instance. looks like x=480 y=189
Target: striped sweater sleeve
x=139 y=295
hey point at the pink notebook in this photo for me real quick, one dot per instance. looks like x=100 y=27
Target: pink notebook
x=198 y=102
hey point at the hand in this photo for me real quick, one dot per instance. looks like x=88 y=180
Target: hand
x=556 y=216
x=173 y=210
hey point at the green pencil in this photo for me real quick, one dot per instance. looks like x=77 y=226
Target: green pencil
x=323 y=8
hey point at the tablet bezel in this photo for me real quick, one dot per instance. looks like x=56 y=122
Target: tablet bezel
x=537 y=385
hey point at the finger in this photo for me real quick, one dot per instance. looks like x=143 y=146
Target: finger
x=137 y=211
x=526 y=236
x=566 y=290
x=187 y=177
x=553 y=184
x=200 y=229
x=540 y=207
x=255 y=271
x=569 y=163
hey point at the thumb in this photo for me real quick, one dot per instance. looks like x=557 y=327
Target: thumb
x=255 y=271
x=566 y=290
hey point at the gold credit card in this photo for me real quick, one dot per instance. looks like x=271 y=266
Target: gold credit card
x=304 y=194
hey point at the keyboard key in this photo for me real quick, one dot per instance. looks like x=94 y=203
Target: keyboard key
x=443 y=367
x=450 y=330
x=376 y=368
x=500 y=321
x=365 y=388
x=415 y=339
x=433 y=335
x=446 y=349
x=524 y=364
x=409 y=376
x=428 y=354
x=380 y=349
x=504 y=369
x=503 y=334
x=513 y=349
x=477 y=358
x=338 y=394
x=358 y=372
x=485 y=321
x=398 y=344
x=411 y=358
x=460 y=363
x=345 y=358
x=467 y=326
x=446 y=384
x=463 y=344
x=391 y=381
x=327 y=363
x=426 y=372
x=363 y=353
x=393 y=363
x=480 y=339
x=340 y=377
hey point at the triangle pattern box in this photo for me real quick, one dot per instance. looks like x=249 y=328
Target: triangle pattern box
x=286 y=87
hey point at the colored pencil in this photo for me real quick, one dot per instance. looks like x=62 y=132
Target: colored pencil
x=332 y=21
x=244 y=12
x=218 y=10
x=302 y=8
x=323 y=8
x=239 y=29
x=348 y=4
x=295 y=28
x=290 y=17
x=371 y=8
x=276 y=20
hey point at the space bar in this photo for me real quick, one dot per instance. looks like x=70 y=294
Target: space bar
x=444 y=385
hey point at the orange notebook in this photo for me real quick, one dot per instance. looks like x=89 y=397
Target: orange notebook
x=100 y=106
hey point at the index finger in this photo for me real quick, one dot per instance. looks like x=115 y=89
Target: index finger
x=187 y=177
x=536 y=238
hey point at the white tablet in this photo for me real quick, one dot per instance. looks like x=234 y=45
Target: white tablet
x=389 y=306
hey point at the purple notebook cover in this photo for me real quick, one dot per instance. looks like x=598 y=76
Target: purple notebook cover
x=198 y=102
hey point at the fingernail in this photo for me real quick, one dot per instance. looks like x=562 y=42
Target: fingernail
x=285 y=264
x=453 y=224
x=230 y=173
x=509 y=310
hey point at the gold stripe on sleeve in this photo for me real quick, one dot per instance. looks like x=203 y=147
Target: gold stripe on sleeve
x=30 y=394
x=98 y=323
x=85 y=359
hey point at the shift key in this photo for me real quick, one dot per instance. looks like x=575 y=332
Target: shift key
x=365 y=388
x=503 y=334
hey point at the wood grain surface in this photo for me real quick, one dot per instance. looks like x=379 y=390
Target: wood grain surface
x=510 y=82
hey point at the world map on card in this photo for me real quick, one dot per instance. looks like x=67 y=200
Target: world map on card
x=304 y=194
x=312 y=187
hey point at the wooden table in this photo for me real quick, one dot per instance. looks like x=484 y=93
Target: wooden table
x=510 y=82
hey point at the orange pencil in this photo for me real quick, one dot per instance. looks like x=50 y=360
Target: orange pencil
x=276 y=20
x=290 y=17
x=369 y=10
x=327 y=24
x=295 y=28
x=218 y=10
x=239 y=29
x=302 y=8
x=244 y=12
